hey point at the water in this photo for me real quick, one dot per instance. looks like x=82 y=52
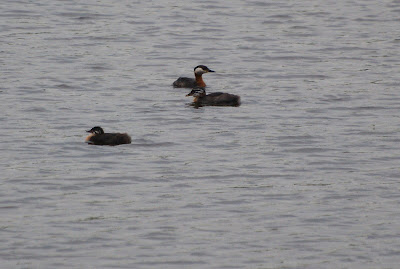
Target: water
x=303 y=175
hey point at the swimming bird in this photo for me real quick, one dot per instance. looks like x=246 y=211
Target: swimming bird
x=213 y=99
x=184 y=82
x=98 y=137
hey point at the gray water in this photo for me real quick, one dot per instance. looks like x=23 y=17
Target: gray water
x=304 y=174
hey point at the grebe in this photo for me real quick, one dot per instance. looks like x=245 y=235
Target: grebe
x=199 y=70
x=213 y=99
x=98 y=137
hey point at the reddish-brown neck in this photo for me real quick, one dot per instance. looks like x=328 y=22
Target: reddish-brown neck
x=88 y=137
x=199 y=80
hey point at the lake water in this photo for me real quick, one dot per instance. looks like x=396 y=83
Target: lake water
x=304 y=174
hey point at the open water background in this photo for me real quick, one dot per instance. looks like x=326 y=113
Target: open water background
x=305 y=174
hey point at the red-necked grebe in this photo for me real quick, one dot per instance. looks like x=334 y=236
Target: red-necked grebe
x=98 y=137
x=184 y=82
x=213 y=99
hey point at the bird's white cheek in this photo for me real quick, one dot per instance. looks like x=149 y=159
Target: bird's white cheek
x=199 y=71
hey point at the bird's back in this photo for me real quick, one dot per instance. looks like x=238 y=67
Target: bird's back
x=110 y=139
x=184 y=82
x=221 y=99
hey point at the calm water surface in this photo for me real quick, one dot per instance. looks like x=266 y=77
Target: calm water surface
x=305 y=174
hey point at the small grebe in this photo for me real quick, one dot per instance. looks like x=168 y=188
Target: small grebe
x=199 y=70
x=98 y=137
x=213 y=99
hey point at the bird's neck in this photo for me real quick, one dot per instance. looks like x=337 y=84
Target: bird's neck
x=88 y=137
x=199 y=80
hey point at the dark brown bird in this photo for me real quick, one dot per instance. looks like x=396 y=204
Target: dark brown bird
x=213 y=99
x=184 y=82
x=98 y=137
